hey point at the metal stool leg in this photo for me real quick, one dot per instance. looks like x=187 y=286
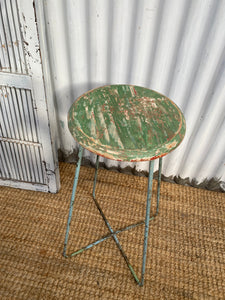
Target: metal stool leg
x=72 y=199
x=114 y=233
x=147 y=218
x=96 y=174
x=159 y=185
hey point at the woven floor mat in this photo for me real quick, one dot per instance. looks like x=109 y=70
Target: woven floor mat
x=186 y=254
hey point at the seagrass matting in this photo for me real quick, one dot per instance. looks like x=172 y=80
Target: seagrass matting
x=186 y=254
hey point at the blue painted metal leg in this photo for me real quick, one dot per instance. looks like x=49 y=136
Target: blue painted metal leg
x=72 y=199
x=159 y=185
x=114 y=233
x=96 y=174
x=147 y=218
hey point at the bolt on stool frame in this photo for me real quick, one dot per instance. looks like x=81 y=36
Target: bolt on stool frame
x=103 y=112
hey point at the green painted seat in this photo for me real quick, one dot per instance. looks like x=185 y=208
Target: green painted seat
x=126 y=123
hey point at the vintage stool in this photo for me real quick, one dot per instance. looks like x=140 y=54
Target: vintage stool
x=124 y=123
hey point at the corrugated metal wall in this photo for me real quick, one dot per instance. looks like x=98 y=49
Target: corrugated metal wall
x=176 y=47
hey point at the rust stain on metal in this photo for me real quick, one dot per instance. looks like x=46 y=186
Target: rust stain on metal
x=126 y=123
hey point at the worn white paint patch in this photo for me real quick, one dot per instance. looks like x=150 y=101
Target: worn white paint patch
x=103 y=125
x=92 y=124
x=113 y=132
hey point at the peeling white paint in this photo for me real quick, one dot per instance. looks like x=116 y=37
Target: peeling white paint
x=27 y=158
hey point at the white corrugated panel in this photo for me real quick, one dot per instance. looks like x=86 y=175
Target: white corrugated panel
x=176 y=47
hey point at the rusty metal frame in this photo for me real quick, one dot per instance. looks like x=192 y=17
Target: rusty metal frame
x=113 y=233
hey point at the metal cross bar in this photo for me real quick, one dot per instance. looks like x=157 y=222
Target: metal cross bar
x=105 y=238
x=115 y=239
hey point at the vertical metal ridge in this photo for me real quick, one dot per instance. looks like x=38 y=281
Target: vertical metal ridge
x=171 y=76
x=44 y=174
x=111 y=18
x=8 y=39
x=25 y=112
x=30 y=159
x=13 y=36
x=2 y=170
x=21 y=162
x=17 y=26
x=32 y=115
x=136 y=11
x=29 y=110
x=6 y=131
x=140 y=41
x=39 y=164
x=2 y=55
x=17 y=113
x=12 y=133
x=4 y=46
x=16 y=161
x=4 y=163
x=12 y=52
x=10 y=35
x=14 y=114
x=155 y=36
x=120 y=40
x=4 y=115
x=10 y=112
x=21 y=114
x=34 y=162
x=26 y=163
x=11 y=157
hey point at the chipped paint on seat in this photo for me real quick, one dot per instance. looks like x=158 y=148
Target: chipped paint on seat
x=126 y=123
